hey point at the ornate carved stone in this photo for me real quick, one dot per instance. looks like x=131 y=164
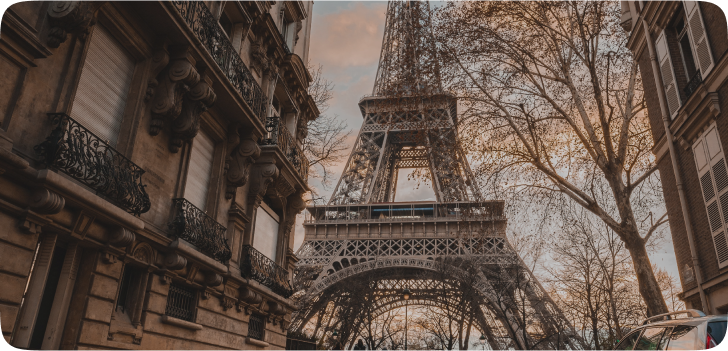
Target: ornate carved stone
x=32 y=223
x=174 y=261
x=180 y=97
x=239 y=162
x=159 y=60
x=212 y=279
x=108 y=258
x=196 y=101
x=227 y=302
x=299 y=26
x=70 y=16
x=276 y=308
x=144 y=253
x=263 y=173
x=258 y=53
x=121 y=237
x=250 y=296
x=45 y=201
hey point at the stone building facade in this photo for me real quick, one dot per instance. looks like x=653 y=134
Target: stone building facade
x=682 y=51
x=151 y=170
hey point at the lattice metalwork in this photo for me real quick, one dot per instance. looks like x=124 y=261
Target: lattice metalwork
x=181 y=303
x=361 y=235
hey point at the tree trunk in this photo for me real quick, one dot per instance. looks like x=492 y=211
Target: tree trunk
x=649 y=289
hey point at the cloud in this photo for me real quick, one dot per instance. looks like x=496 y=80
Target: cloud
x=349 y=37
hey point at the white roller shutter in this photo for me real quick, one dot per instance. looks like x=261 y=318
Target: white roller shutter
x=103 y=87
x=713 y=175
x=668 y=74
x=698 y=38
x=265 y=235
x=200 y=169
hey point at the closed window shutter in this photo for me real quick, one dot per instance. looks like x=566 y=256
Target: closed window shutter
x=668 y=75
x=265 y=235
x=698 y=38
x=103 y=86
x=200 y=169
x=711 y=165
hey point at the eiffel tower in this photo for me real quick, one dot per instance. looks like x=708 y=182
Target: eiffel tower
x=432 y=249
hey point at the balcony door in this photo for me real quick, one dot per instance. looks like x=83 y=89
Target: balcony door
x=103 y=87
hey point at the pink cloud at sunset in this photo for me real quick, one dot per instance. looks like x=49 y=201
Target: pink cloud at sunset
x=349 y=37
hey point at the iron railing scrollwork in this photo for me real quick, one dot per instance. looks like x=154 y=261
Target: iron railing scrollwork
x=207 y=30
x=196 y=227
x=279 y=135
x=74 y=150
x=263 y=270
x=693 y=84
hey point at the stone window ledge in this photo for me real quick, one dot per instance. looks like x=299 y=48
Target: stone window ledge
x=256 y=342
x=181 y=323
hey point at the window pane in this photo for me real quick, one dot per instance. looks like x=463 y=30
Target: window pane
x=650 y=339
x=683 y=337
x=265 y=236
x=717 y=331
x=629 y=341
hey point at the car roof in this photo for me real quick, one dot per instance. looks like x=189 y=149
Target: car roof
x=688 y=321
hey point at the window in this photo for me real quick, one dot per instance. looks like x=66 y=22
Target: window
x=698 y=37
x=181 y=303
x=713 y=175
x=103 y=86
x=686 y=51
x=226 y=24
x=129 y=299
x=683 y=337
x=199 y=170
x=629 y=341
x=256 y=327
x=716 y=330
x=265 y=236
x=651 y=339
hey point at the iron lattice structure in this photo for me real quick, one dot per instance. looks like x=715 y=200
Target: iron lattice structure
x=362 y=249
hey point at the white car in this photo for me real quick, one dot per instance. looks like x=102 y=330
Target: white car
x=696 y=332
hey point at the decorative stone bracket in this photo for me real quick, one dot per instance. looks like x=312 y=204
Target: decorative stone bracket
x=263 y=173
x=42 y=202
x=238 y=164
x=70 y=16
x=181 y=94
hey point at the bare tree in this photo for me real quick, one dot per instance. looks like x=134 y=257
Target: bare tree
x=552 y=104
x=326 y=142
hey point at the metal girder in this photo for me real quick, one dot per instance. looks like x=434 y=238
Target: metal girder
x=411 y=122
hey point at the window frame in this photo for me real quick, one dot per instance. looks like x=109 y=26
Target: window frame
x=194 y=304
x=208 y=125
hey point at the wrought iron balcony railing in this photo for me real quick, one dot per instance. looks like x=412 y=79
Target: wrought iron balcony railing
x=208 y=32
x=693 y=84
x=197 y=228
x=285 y=44
x=278 y=135
x=79 y=153
x=263 y=270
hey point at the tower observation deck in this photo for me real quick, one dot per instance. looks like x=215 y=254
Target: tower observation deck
x=410 y=121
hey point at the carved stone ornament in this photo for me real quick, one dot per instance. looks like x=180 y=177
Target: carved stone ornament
x=299 y=26
x=258 y=53
x=45 y=201
x=250 y=296
x=174 y=261
x=239 y=162
x=263 y=173
x=67 y=17
x=276 y=308
x=121 y=237
x=212 y=279
x=144 y=253
x=227 y=302
x=159 y=61
x=180 y=97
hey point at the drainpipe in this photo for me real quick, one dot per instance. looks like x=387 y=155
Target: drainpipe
x=675 y=165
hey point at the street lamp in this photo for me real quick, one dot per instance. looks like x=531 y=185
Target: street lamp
x=482 y=341
x=406 y=295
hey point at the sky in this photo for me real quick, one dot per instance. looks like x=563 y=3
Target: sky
x=346 y=40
